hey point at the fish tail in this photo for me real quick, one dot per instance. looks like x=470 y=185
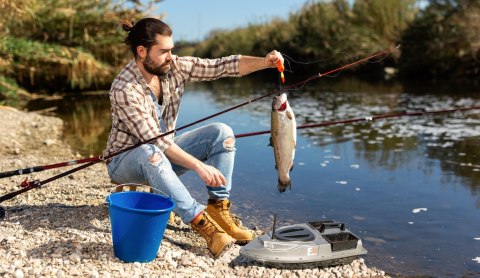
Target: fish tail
x=283 y=186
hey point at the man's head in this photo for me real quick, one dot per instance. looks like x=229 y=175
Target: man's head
x=151 y=43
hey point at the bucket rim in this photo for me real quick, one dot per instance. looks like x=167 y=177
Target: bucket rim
x=145 y=211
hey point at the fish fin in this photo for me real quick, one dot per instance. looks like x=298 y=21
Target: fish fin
x=271 y=142
x=282 y=187
x=289 y=114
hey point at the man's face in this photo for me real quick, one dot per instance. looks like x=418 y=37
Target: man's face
x=159 y=56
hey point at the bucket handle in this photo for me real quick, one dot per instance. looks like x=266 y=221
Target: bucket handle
x=119 y=188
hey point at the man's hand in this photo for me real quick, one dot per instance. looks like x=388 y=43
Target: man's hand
x=210 y=175
x=272 y=58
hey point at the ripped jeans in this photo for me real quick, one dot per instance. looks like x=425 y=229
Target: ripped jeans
x=209 y=144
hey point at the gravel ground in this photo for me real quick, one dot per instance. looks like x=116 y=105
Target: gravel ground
x=63 y=228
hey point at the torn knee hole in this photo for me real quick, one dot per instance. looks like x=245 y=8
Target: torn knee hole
x=155 y=158
x=229 y=143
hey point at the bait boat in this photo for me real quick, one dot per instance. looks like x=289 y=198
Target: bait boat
x=325 y=242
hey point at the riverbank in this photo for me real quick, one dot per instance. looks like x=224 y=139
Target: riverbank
x=63 y=229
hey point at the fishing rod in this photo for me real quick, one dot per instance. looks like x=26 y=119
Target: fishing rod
x=33 y=169
x=96 y=159
x=366 y=119
x=29 y=185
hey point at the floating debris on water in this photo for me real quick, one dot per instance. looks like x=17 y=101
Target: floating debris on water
x=355 y=166
x=417 y=210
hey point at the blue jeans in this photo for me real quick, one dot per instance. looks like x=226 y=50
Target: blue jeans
x=208 y=144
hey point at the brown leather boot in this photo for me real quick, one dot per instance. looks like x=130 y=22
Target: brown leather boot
x=219 y=210
x=217 y=240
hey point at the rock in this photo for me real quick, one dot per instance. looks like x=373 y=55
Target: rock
x=74 y=257
x=18 y=273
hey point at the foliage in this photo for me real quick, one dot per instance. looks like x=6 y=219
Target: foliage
x=10 y=93
x=54 y=66
x=65 y=44
x=332 y=32
x=443 y=41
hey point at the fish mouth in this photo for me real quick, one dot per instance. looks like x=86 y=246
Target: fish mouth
x=282 y=107
x=280 y=103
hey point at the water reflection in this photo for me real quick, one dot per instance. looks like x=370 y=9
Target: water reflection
x=86 y=117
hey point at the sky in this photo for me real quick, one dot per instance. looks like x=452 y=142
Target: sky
x=193 y=20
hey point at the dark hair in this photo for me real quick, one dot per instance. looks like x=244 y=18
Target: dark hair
x=144 y=32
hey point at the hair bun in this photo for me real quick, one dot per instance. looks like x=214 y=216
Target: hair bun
x=127 y=25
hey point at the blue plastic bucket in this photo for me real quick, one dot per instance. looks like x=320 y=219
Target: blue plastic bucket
x=138 y=222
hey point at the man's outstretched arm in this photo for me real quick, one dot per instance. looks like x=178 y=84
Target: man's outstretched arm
x=249 y=64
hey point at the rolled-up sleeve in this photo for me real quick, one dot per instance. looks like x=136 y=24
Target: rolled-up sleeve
x=195 y=69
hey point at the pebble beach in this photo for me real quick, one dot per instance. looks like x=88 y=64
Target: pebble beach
x=63 y=228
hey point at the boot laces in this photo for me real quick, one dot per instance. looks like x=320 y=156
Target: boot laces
x=210 y=227
x=230 y=217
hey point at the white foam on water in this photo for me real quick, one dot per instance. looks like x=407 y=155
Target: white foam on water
x=417 y=210
x=341 y=182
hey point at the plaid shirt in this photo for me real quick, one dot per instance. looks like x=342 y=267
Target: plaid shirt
x=134 y=116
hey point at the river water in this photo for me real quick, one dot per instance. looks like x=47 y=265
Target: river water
x=409 y=187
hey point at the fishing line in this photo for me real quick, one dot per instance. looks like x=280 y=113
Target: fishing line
x=29 y=185
x=349 y=55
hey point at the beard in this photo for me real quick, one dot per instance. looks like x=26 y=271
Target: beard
x=151 y=68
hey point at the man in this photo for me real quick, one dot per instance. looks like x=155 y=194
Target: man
x=145 y=97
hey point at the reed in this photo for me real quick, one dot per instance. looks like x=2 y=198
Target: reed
x=40 y=65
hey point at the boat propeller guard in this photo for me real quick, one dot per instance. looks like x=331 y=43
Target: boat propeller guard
x=325 y=242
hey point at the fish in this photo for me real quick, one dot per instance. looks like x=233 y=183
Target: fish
x=283 y=139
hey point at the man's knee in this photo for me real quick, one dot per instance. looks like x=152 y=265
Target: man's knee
x=226 y=133
x=155 y=158
x=229 y=143
x=153 y=155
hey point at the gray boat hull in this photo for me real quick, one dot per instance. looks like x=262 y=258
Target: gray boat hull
x=309 y=242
